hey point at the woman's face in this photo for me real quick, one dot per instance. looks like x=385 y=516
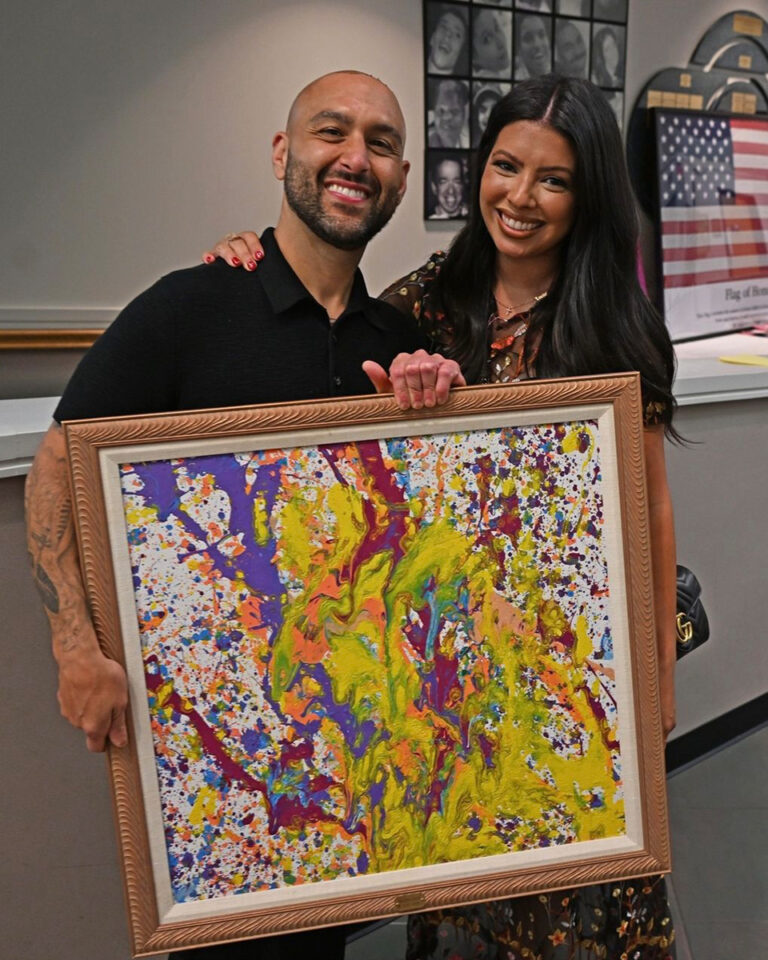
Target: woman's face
x=446 y=41
x=610 y=51
x=527 y=198
x=489 y=46
x=534 y=46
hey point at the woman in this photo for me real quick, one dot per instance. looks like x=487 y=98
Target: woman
x=534 y=56
x=541 y=282
x=608 y=66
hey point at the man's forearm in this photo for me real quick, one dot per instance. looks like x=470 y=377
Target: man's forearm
x=92 y=688
x=52 y=545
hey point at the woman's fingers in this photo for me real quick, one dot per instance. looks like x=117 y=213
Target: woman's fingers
x=238 y=250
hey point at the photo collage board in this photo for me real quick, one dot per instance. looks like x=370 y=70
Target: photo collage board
x=475 y=51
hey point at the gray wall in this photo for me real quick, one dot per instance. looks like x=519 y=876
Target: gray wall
x=135 y=133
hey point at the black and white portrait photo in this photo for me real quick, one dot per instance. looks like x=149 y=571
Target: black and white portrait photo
x=533 y=46
x=543 y=6
x=574 y=8
x=447 y=39
x=475 y=51
x=572 y=48
x=615 y=10
x=447 y=186
x=485 y=96
x=608 y=45
x=616 y=100
x=491 y=43
x=448 y=113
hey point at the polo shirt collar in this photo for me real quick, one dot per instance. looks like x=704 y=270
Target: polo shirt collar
x=284 y=289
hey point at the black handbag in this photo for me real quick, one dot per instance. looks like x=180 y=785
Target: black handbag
x=691 y=622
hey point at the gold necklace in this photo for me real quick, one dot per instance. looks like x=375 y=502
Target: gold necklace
x=510 y=310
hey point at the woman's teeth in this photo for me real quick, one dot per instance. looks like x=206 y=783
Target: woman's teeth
x=518 y=224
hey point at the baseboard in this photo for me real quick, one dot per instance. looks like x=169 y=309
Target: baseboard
x=711 y=736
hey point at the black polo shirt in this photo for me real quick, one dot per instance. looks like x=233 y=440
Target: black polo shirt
x=211 y=336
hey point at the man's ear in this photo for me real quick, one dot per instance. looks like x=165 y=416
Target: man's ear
x=404 y=184
x=279 y=154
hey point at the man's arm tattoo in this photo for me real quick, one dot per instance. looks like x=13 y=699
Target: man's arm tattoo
x=45 y=587
x=50 y=526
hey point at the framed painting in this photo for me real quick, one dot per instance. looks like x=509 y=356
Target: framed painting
x=379 y=662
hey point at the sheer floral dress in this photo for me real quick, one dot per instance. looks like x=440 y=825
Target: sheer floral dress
x=625 y=920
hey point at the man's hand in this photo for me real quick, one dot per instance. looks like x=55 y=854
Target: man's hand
x=238 y=250
x=93 y=695
x=417 y=379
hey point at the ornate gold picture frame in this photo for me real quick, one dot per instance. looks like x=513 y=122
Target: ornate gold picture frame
x=378 y=661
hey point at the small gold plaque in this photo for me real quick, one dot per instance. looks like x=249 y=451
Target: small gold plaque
x=751 y=26
x=745 y=62
x=682 y=101
x=409 y=902
x=744 y=103
x=654 y=98
x=668 y=99
x=697 y=101
x=685 y=79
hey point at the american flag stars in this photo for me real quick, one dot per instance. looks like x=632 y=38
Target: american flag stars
x=696 y=161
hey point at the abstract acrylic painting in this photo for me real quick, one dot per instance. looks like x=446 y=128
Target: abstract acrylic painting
x=365 y=665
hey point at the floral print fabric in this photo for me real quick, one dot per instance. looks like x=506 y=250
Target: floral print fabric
x=628 y=920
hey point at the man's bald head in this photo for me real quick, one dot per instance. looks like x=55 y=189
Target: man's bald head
x=345 y=80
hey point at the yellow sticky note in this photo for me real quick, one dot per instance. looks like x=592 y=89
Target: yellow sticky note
x=751 y=359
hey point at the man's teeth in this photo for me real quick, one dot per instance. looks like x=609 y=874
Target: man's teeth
x=518 y=224
x=348 y=192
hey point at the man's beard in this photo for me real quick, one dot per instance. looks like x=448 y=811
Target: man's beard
x=303 y=191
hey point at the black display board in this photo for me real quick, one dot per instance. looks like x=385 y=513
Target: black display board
x=475 y=52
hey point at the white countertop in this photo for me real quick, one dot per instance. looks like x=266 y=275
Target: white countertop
x=701 y=378
x=22 y=425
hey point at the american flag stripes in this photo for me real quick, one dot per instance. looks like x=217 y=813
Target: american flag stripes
x=713 y=192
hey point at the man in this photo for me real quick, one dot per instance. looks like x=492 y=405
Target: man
x=300 y=327
x=571 y=49
x=446 y=184
x=449 y=126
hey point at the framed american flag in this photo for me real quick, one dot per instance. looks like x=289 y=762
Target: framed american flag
x=713 y=221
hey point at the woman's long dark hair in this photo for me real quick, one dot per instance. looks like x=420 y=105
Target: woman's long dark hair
x=596 y=318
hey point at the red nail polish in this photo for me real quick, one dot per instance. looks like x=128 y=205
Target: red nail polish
x=259 y=255
x=209 y=258
x=235 y=261
x=251 y=264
